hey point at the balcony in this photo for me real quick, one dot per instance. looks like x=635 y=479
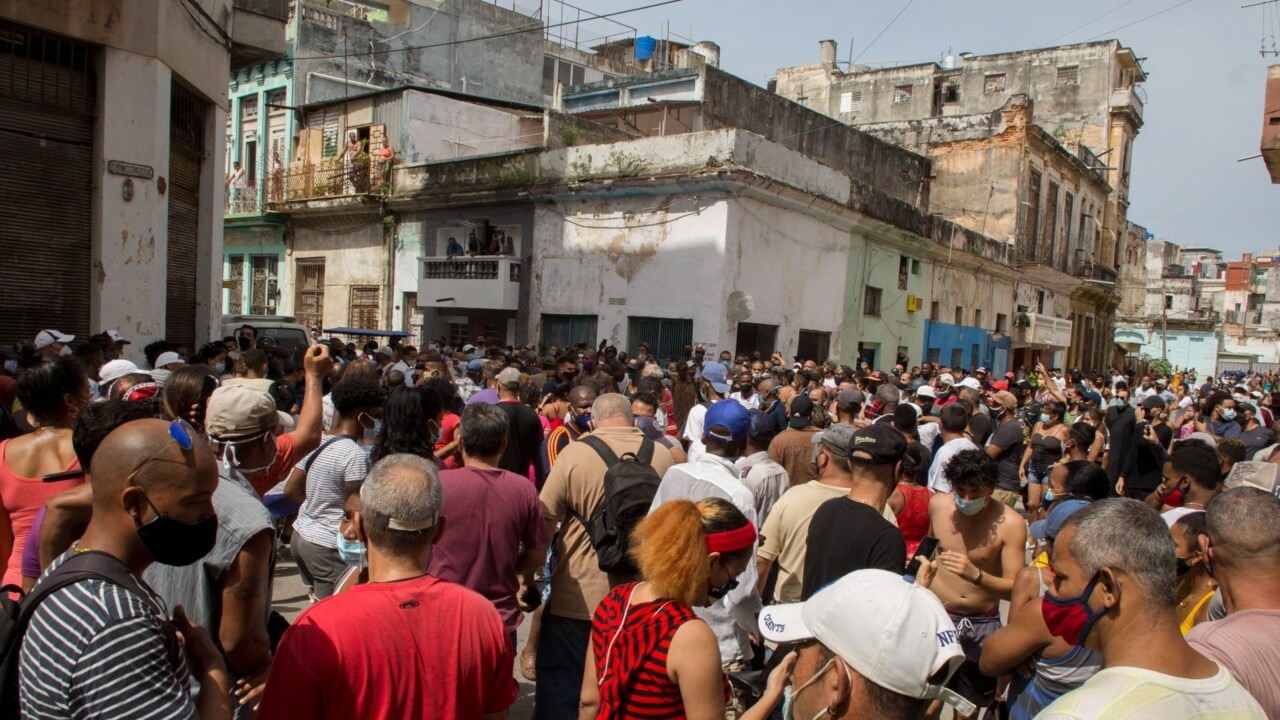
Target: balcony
x=479 y=282
x=1036 y=330
x=241 y=200
x=1090 y=270
x=333 y=178
x=1130 y=99
x=1242 y=317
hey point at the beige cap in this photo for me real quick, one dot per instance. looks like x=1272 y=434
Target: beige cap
x=1005 y=399
x=509 y=377
x=238 y=412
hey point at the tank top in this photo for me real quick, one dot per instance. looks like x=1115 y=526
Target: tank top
x=630 y=642
x=1046 y=449
x=913 y=521
x=1190 y=620
x=22 y=498
x=1053 y=678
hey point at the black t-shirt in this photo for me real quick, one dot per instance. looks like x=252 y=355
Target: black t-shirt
x=1255 y=440
x=846 y=535
x=1164 y=434
x=980 y=428
x=1008 y=437
x=524 y=440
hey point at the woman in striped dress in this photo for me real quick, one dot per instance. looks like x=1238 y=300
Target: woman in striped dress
x=650 y=655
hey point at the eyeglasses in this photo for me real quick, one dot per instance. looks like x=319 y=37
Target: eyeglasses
x=181 y=433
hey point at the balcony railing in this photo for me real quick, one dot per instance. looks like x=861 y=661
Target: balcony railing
x=1090 y=270
x=366 y=174
x=483 y=282
x=241 y=200
x=1129 y=97
x=1035 y=329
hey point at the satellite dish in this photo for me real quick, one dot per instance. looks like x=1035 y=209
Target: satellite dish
x=741 y=305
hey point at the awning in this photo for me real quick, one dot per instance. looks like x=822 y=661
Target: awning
x=363 y=332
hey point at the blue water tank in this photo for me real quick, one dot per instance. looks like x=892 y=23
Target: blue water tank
x=645 y=46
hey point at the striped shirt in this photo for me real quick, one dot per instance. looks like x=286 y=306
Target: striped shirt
x=631 y=656
x=95 y=649
x=1130 y=693
x=334 y=466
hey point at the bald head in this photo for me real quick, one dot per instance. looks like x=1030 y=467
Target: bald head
x=1244 y=530
x=612 y=410
x=126 y=450
x=581 y=397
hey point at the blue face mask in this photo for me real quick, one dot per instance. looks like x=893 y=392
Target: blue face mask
x=1044 y=418
x=649 y=427
x=352 y=552
x=1228 y=414
x=970 y=507
x=583 y=422
x=1048 y=496
x=220 y=368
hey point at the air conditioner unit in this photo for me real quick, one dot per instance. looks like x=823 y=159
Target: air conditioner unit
x=915 y=303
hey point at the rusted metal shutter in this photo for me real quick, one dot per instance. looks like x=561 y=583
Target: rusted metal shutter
x=47 y=102
x=186 y=152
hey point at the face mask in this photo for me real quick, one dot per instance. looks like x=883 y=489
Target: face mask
x=176 y=543
x=1048 y=496
x=725 y=363
x=1118 y=402
x=1182 y=566
x=1044 y=418
x=220 y=368
x=65 y=351
x=715 y=593
x=371 y=430
x=970 y=507
x=1228 y=414
x=244 y=342
x=789 y=695
x=352 y=552
x=582 y=421
x=649 y=427
x=231 y=462
x=1071 y=619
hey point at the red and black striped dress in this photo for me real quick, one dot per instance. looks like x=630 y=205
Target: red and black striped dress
x=631 y=665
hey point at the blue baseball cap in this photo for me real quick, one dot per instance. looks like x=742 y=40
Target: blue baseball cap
x=730 y=415
x=1049 y=527
x=717 y=375
x=475 y=366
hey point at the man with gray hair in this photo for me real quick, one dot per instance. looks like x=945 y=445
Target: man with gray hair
x=575 y=491
x=406 y=644
x=886 y=402
x=1113 y=592
x=1243 y=550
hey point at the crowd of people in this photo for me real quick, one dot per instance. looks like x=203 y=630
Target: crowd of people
x=741 y=537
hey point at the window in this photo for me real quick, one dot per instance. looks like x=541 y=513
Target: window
x=264 y=285
x=457 y=334
x=851 y=101
x=977 y=317
x=870 y=302
x=993 y=83
x=904 y=263
x=1168 y=303
x=1002 y=322
x=915 y=267
x=548 y=76
x=412 y=316
x=308 y=303
x=1068 y=212
x=935 y=311
x=363 y=311
x=251 y=162
x=236 y=275
x=959 y=316
x=974 y=351
x=666 y=337
x=565 y=331
x=814 y=345
x=902 y=94
x=933 y=355
x=950 y=93
x=957 y=357
x=1050 y=233
x=249 y=107
x=753 y=337
x=1031 y=221
x=1069 y=75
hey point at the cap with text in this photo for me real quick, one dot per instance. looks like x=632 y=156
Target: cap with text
x=894 y=633
x=877 y=444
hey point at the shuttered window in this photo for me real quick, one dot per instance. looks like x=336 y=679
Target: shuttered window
x=308 y=303
x=564 y=331
x=666 y=336
x=364 y=307
x=186 y=152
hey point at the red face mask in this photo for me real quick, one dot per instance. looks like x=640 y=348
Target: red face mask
x=1071 y=619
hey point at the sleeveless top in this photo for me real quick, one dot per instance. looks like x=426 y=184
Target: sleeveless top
x=913 y=521
x=630 y=642
x=22 y=498
x=1053 y=678
x=1190 y=620
x=1046 y=449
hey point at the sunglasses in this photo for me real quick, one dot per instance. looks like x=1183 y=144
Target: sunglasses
x=181 y=433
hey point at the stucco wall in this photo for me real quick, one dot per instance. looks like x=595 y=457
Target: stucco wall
x=442 y=128
x=354 y=254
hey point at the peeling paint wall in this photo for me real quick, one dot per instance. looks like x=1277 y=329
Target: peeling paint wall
x=355 y=255
x=442 y=128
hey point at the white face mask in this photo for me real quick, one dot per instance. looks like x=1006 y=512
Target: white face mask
x=788 y=710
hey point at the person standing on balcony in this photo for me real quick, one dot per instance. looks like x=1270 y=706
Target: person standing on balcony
x=453 y=249
x=235 y=185
x=384 y=156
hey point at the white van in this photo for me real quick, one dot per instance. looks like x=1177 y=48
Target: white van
x=284 y=329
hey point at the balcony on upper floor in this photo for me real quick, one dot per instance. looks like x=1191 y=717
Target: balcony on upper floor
x=242 y=200
x=482 y=282
x=365 y=173
x=1129 y=99
x=1043 y=331
x=257 y=31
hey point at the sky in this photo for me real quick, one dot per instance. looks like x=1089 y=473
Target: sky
x=1204 y=92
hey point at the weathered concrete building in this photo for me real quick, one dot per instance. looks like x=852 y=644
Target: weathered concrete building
x=1170 y=321
x=1001 y=175
x=113 y=173
x=1271 y=124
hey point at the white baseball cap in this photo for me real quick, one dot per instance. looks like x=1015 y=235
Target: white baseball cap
x=926 y=391
x=893 y=632
x=45 y=338
x=946 y=379
x=970 y=382
x=167 y=358
x=115 y=370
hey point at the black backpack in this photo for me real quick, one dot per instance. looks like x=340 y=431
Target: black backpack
x=16 y=615
x=630 y=483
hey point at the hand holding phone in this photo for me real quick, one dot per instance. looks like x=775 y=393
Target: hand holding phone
x=928 y=548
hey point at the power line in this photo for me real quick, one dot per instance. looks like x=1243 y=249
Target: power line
x=222 y=38
x=1175 y=6
x=882 y=32
x=532 y=27
x=1085 y=25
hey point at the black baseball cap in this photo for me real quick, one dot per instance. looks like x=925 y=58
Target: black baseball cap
x=801 y=412
x=877 y=444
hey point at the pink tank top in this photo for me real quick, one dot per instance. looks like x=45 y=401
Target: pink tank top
x=22 y=498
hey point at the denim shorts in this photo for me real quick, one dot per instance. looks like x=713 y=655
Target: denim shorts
x=1038 y=474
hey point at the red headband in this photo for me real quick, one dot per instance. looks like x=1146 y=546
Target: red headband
x=731 y=540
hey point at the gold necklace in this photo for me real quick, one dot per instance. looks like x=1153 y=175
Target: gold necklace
x=77 y=549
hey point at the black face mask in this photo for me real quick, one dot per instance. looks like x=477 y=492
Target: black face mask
x=1181 y=567
x=243 y=342
x=172 y=542
x=715 y=593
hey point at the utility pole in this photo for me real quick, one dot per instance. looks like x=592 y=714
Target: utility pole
x=1164 y=332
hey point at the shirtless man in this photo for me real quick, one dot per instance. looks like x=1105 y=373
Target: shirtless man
x=982 y=547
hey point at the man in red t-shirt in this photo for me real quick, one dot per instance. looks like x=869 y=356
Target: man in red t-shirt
x=406 y=644
x=293 y=446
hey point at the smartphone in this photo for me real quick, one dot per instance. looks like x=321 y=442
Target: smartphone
x=928 y=548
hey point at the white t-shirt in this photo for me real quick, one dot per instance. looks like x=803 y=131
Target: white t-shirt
x=1128 y=693
x=336 y=465
x=693 y=431
x=937 y=479
x=1171 y=516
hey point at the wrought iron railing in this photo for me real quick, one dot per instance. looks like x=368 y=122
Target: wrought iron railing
x=363 y=174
